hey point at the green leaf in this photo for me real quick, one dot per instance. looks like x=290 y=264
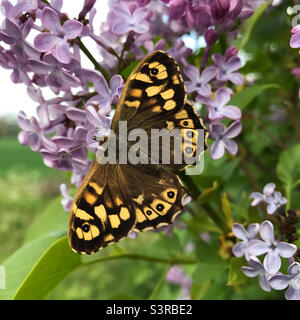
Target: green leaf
x=53 y=220
x=229 y=168
x=208 y=193
x=20 y=263
x=288 y=170
x=123 y=296
x=253 y=215
x=210 y=263
x=226 y=207
x=127 y=71
x=245 y=96
x=250 y=24
x=236 y=275
x=53 y=266
x=199 y=290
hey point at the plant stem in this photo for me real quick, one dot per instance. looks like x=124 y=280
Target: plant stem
x=135 y=256
x=195 y=193
x=160 y=283
x=92 y=59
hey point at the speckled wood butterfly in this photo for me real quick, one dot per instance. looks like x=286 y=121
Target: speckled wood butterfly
x=115 y=199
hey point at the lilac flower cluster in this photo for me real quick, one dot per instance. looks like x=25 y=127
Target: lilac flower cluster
x=273 y=199
x=177 y=276
x=44 y=48
x=251 y=246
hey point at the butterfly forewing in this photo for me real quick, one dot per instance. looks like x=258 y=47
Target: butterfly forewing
x=154 y=88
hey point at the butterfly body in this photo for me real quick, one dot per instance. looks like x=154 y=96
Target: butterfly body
x=117 y=198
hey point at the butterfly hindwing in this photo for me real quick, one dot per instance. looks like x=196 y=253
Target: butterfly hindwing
x=158 y=195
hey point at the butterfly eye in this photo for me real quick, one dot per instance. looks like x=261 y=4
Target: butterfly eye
x=171 y=194
x=86 y=227
x=153 y=72
x=190 y=134
x=188 y=150
x=160 y=207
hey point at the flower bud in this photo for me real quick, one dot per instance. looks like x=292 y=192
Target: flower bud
x=210 y=36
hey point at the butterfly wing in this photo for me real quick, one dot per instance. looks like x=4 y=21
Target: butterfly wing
x=154 y=88
x=155 y=98
x=100 y=213
x=157 y=195
x=114 y=199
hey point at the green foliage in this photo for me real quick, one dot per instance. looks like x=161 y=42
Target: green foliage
x=250 y=24
x=288 y=170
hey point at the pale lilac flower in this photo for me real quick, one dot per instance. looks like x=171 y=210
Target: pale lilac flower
x=295 y=39
x=272 y=198
x=240 y=248
x=292 y=281
x=261 y=197
x=57 y=40
x=159 y=45
x=218 y=108
x=100 y=128
x=275 y=202
x=296 y=72
x=132 y=235
x=223 y=138
x=180 y=52
x=15 y=11
x=55 y=75
x=193 y=14
x=8 y=60
x=199 y=82
x=106 y=95
x=177 y=276
x=66 y=200
x=87 y=7
x=255 y=268
x=128 y=21
x=12 y=35
x=34 y=130
x=272 y=248
x=228 y=68
x=71 y=154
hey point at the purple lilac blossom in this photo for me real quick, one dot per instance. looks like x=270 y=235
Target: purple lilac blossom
x=127 y=21
x=272 y=248
x=240 y=248
x=199 y=82
x=177 y=276
x=272 y=198
x=223 y=138
x=57 y=40
x=290 y=281
x=218 y=108
x=256 y=268
x=295 y=39
x=227 y=69
x=66 y=200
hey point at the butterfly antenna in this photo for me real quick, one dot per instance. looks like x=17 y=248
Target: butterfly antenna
x=77 y=148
